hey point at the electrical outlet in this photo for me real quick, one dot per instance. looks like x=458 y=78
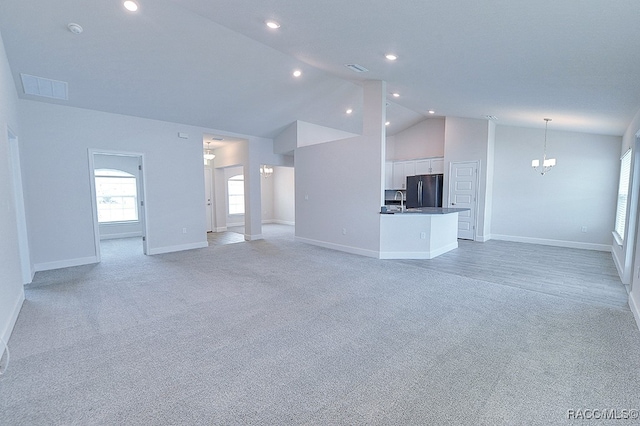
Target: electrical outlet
x=583 y=229
x=306 y=196
x=423 y=235
x=344 y=231
x=184 y=230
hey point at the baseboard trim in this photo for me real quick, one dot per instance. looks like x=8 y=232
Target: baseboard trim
x=285 y=222
x=616 y=261
x=483 y=238
x=120 y=235
x=220 y=229
x=339 y=247
x=8 y=327
x=635 y=308
x=182 y=247
x=421 y=255
x=69 y=263
x=255 y=237
x=556 y=243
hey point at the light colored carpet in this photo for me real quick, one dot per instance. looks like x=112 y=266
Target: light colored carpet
x=278 y=332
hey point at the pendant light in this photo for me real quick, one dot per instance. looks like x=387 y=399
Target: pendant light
x=547 y=163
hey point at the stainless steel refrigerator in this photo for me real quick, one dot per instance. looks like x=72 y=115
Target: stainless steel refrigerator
x=424 y=191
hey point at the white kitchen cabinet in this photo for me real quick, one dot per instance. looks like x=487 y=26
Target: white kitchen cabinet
x=409 y=170
x=423 y=167
x=388 y=175
x=430 y=166
x=437 y=166
x=399 y=178
x=402 y=169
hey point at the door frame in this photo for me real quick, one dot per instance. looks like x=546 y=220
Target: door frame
x=18 y=198
x=475 y=195
x=211 y=197
x=142 y=196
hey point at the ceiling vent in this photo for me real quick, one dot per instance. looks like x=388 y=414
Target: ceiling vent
x=356 y=68
x=38 y=86
x=217 y=139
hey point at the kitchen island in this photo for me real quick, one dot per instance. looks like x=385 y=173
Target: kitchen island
x=421 y=233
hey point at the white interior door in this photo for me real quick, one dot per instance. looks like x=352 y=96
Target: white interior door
x=208 y=197
x=463 y=193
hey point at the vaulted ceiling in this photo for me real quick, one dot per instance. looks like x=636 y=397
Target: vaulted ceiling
x=214 y=63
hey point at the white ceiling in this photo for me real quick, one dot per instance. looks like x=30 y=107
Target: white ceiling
x=213 y=63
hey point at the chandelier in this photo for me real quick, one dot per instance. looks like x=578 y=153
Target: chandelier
x=547 y=163
x=208 y=156
x=266 y=171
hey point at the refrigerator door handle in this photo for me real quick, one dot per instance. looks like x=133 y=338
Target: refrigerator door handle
x=420 y=193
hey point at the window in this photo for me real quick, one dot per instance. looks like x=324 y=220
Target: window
x=117 y=196
x=623 y=192
x=235 y=186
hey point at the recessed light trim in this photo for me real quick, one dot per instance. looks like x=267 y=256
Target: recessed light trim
x=349 y=111
x=297 y=73
x=391 y=56
x=387 y=123
x=75 y=28
x=395 y=95
x=272 y=24
x=431 y=111
x=130 y=5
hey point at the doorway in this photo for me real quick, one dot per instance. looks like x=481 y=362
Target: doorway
x=463 y=193
x=118 y=201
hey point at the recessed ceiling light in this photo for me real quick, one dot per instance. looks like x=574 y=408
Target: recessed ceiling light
x=431 y=111
x=396 y=95
x=130 y=5
x=391 y=56
x=272 y=24
x=387 y=123
x=349 y=111
x=297 y=73
x=75 y=28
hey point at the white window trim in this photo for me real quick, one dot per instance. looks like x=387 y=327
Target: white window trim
x=623 y=188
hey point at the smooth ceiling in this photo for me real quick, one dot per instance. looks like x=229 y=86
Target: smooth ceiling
x=215 y=64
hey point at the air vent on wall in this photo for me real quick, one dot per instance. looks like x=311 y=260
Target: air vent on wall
x=356 y=68
x=45 y=87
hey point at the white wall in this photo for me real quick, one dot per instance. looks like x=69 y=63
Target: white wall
x=11 y=290
x=284 y=200
x=580 y=191
x=422 y=140
x=127 y=164
x=467 y=139
x=266 y=194
x=339 y=185
x=278 y=197
x=56 y=140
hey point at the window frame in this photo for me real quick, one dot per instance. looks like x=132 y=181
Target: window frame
x=235 y=192
x=106 y=173
x=623 y=197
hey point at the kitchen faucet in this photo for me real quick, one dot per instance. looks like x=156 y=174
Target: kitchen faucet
x=395 y=197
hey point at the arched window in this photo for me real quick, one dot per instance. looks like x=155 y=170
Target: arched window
x=117 y=196
x=235 y=192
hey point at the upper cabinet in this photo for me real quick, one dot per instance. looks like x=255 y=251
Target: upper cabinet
x=401 y=169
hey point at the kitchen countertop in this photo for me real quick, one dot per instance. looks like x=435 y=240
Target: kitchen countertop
x=426 y=210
